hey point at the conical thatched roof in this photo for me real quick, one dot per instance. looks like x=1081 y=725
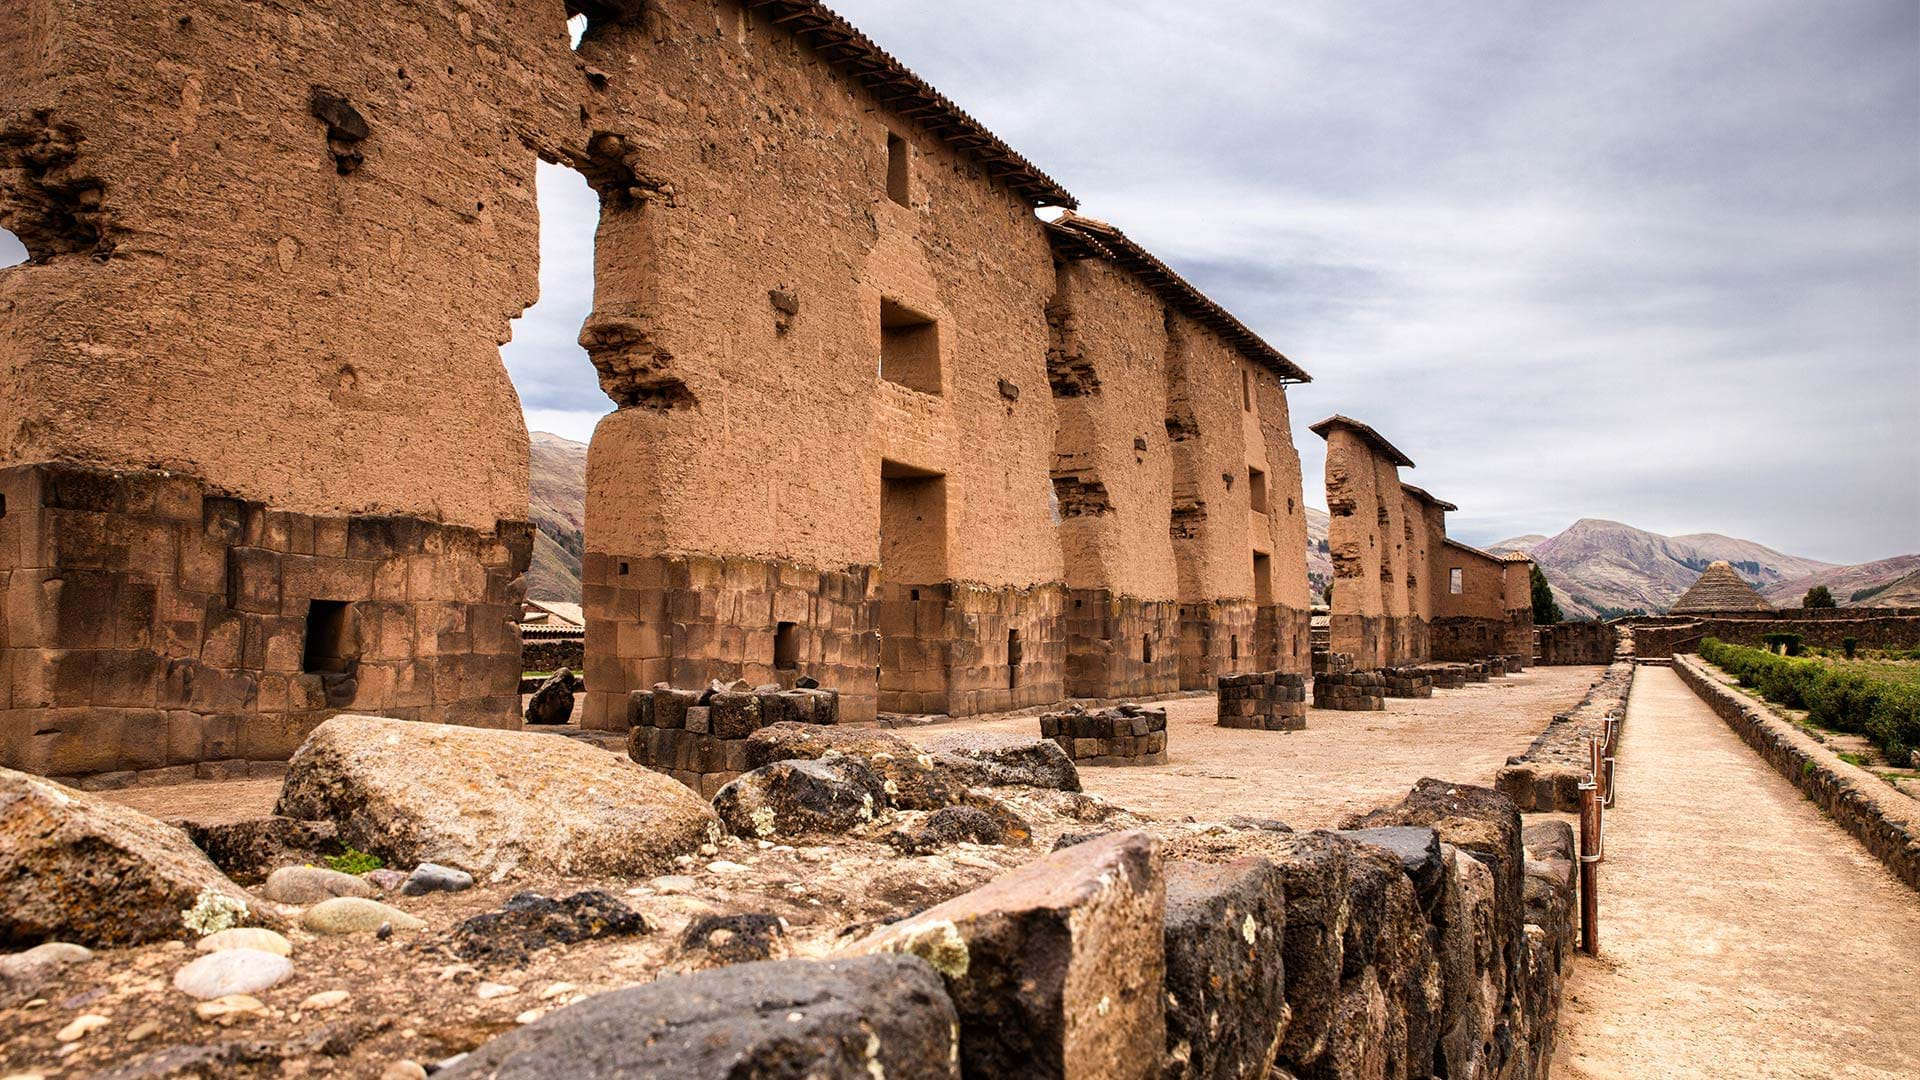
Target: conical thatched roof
x=1719 y=589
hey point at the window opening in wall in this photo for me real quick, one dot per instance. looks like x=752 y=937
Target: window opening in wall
x=1246 y=389
x=330 y=646
x=3 y=506
x=909 y=348
x=1257 y=489
x=1262 y=577
x=786 y=646
x=623 y=569
x=1453 y=581
x=1013 y=659
x=1146 y=648
x=897 y=169
x=12 y=251
x=1233 y=647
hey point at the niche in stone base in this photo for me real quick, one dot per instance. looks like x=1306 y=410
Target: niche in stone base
x=915 y=653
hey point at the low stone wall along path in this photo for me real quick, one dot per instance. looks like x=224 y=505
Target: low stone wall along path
x=1742 y=932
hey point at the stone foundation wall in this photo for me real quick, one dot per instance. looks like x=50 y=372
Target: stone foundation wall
x=946 y=648
x=1377 y=641
x=1267 y=701
x=1406 y=682
x=1122 y=735
x=1891 y=628
x=1546 y=778
x=154 y=626
x=1469 y=637
x=1576 y=643
x=1218 y=638
x=701 y=739
x=689 y=619
x=1884 y=820
x=1283 y=637
x=1109 y=639
x=552 y=654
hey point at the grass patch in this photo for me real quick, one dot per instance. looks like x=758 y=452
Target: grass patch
x=354 y=861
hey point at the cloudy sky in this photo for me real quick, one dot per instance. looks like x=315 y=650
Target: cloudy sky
x=1650 y=261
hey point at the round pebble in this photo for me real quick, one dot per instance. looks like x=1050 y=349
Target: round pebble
x=230 y=1008
x=487 y=991
x=404 y=1070
x=311 y=884
x=232 y=971
x=326 y=999
x=42 y=961
x=675 y=883
x=355 y=915
x=432 y=877
x=247 y=937
x=80 y=1026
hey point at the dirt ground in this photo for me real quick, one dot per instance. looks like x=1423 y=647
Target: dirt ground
x=1344 y=762
x=1743 y=933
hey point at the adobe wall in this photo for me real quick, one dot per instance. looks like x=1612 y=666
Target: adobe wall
x=253 y=362
x=1373 y=618
x=1480 y=621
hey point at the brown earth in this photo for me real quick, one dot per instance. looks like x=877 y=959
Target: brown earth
x=1743 y=933
x=1344 y=762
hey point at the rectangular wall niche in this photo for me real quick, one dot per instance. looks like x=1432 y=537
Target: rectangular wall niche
x=786 y=646
x=332 y=645
x=1257 y=489
x=1453 y=581
x=1262 y=577
x=909 y=348
x=897 y=170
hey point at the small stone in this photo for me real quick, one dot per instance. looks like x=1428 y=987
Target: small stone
x=228 y=1009
x=384 y=931
x=326 y=999
x=311 y=884
x=487 y=991
x=145 y=1029
x=232 y=971
x=385 y=879
x=80 y=1025
x=709 y=850
x=529 y=1016
x=724 y=866
x=41 y=961
x=355 y=915
x=432 y=877
x=556 y=990
x=670 y=884
x=246 y=937
x=404 y=1070
x=529 y=921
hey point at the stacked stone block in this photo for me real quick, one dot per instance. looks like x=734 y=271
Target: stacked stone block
x=1122 y=735
x=1268 y=701
x=700 y=737
x=1406 y=682
x=1105 y=632
x=945 y=648
x=157 y=629
x=1328 y=662
x=1356 y=691
x=1451 y=676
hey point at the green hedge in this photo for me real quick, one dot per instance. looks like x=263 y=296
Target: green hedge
x=1883 y=709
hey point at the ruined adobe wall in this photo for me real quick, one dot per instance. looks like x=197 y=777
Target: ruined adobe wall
x=737 y=325
x=1113 y=481
x=1372 y=619
x=211 y=295
x=1518 y=586
x=1475 y=623
x=252 y=369
x=1284 y=637
x=1579 y=643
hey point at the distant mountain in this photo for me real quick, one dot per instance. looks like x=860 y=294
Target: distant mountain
x=557 y=498
x=1604 y=568
x=1319 y=562
x=1891 y=582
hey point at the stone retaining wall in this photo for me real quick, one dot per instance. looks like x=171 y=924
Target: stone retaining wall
x=1576 y=643
x=1122 y=735
x=1884 y=820
x=1828 y=628
x=1268 y=701
x=1547 y=777
x=552 y=654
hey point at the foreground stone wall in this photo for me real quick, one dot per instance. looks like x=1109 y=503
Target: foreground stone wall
x=1886 y=821
x=154 y=626
x=1871 y=628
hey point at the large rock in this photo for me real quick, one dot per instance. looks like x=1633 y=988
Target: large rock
x=305 y=885
x=795 y=798
x=1469 y=967
x=993 y=759
x=908 y=776
x=1226 y=988
x=552 y=702
x=77 y=868
x=987 y=822
x=847 y=1019
x=1387 y=958
x=1057 y=968
x=528 y=922
x=491 y=801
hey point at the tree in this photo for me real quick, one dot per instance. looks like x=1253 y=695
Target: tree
x=1327 y=596
x=1545 y=611
x=1818 y=596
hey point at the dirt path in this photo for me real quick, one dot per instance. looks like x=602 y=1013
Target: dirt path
x=1343 y=763
x=1743 y=934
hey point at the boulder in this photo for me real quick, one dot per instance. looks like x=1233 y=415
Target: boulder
x=960 y=824
x=908 y=776
x=528 y=922
x=984 y=758
x=356 y=915
x=305 y=885
x=552 y=702
x=1226 y=989
x=80 y=869
x=432 y=877
x=1469 y=966
x=793 y=798
x=1386 y=958
x=250 y=849
x=491 y=801
x=846 y=1019
x=1056 y=968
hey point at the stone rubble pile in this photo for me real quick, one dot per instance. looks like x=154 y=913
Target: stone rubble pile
x=699 y=737
x=1263 y=701
x=1406 y=682
x=1123 y=735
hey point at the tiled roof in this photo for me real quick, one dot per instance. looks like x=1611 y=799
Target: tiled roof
x=1378 y=440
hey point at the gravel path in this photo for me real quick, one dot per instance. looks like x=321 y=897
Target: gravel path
x=1343 y=763
x=1742 y=933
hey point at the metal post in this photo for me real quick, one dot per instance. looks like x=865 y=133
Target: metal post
x=1590 y=812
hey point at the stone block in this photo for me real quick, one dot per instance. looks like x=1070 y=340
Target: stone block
x=1226 y=989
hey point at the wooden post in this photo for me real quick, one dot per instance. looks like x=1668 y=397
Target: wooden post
x=1590 y=812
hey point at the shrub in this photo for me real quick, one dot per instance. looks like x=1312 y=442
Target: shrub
x=1848 y=645
x=1782 y=642
x=354 y=861
x=1818 y=597
x=1882 y=707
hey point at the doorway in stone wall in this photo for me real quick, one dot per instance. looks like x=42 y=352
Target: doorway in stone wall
x=913 y=572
